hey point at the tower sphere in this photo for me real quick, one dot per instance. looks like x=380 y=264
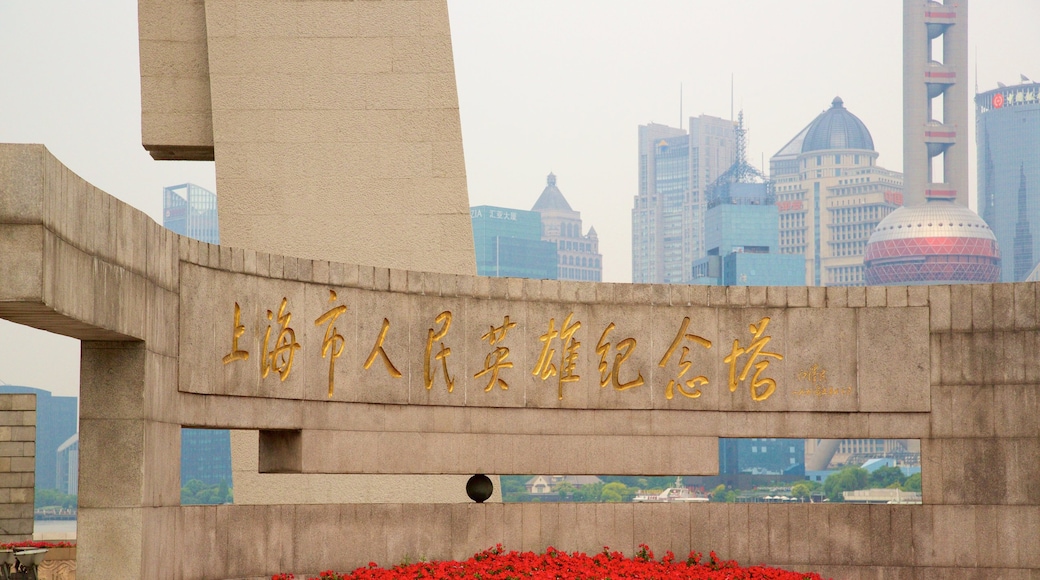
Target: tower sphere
x=935 y=242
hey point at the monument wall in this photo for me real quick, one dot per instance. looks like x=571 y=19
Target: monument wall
x=951 y=366
x=330 y=122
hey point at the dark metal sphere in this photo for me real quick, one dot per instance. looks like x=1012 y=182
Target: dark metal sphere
x=479 y=488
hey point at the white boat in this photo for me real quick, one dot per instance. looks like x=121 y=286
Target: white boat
x=678 y=493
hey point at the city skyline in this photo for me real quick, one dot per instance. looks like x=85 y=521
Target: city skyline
x=571 y=100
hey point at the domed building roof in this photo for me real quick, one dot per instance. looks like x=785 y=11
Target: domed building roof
x=551 y=198
x=936 y=242
x=837 y=128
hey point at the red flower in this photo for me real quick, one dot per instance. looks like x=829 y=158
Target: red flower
x=497 y=564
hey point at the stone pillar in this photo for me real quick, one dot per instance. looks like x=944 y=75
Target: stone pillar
x=129 y=459
x=17 y=466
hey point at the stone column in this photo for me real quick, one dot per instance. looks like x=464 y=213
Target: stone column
x=129 y=458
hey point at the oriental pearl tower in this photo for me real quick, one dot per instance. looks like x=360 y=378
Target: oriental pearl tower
x=935 y=238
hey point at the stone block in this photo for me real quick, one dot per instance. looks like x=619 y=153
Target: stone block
x=954 y=536
x=961 y=304
x=897 y=296
x=22 y=178
x=917 y=296
x=877 y=296
x=778 y=533
x=758 y=296
x=776 y=296
x=1017 y=411
x=259 y=539
x=110 y=542
x=837 y=297
x=857 y=296
x=23 y=402
x=886 y=335
x=817 y=296
x=982 y=307
x=1003 y=306
x=1025 y=305
x=112 y=380
x=737 y=296
x=939 y=305
x=114 y=477
x=22 y=267
x=797 y=296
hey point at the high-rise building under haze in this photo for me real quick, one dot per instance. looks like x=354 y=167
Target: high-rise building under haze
x=577 y=250
x=508 y=243
x=1007 y=132
x=190 y=210
x=675 y=168
x=831 y=194
x=741 y=230
x=548 y=242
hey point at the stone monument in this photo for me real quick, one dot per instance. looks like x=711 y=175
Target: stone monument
x=394 y=369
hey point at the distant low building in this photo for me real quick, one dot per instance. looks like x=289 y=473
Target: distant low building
x=883 y=496
x=546 y=484
x=761 y=456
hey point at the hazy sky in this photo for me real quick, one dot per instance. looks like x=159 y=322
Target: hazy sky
x=544 y=85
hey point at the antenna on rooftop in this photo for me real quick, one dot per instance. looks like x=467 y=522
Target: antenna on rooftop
x=730 y=97
x=680 y=105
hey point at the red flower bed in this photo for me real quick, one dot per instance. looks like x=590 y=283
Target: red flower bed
x=36 y=544
x=497 y=564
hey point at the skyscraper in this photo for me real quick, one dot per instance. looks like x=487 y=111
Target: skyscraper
x=579 y=257
x=1008 y=135
x=936 y=237
x=831 y=194
x=675 y=169
x=741 y=230
x=190 y=210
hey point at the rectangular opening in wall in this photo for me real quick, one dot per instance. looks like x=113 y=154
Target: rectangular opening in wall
x=755 y=470
x=206 y=467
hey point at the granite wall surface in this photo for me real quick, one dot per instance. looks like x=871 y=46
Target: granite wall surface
x=951 y=366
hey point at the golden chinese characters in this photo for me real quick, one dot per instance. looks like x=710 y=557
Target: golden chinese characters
x=568 y=358
x=279 y=358
x=237 y=331
x=609 y=374
x=377 y=350
x=444 y=319
x=690 y=387
x=496 y=359
x=753 y=352
x=334 y=341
